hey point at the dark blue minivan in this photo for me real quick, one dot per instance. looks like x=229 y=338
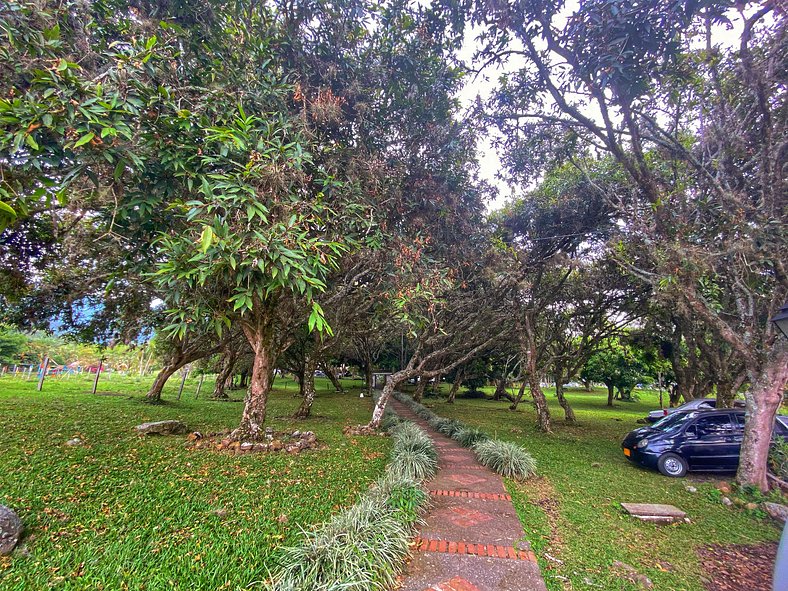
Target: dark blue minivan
x=702 y=440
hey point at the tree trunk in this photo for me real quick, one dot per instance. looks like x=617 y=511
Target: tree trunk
x=763 y=402
x=518 y=399
x=307 y=388
x=542 y=412
x=419 y=393
x=500 y=389
x=368 y=373
x=569 y=414
x=260 y=335
x=380 y=406
x=154 y=394
x=332 y=376
x=455 y=387
x=225 y=375
x=610 y=392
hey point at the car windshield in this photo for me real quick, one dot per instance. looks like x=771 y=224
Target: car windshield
x=673 y=422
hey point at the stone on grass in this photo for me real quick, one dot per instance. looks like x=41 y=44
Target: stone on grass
x=74 y=442
x=632 y=575
x=724 y=488
x=726 y=501
x=691 y=489
x=776 y=511
x=10 y=530
x=654 y=513
x=162 y=428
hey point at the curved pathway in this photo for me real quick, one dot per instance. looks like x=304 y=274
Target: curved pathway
x=472 y=539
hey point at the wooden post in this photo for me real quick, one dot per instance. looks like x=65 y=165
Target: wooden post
x=183 y=381
x=44 y=368
x=98 y=373
x=199 y=386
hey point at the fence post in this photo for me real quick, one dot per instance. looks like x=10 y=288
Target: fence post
x=183 y=381
x=44 y=369
x=199 y=386
x=98 y=373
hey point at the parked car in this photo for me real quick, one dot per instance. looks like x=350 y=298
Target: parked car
x=699 y=440
x=697 y=404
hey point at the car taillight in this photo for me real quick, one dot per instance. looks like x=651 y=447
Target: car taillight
x=665 y=412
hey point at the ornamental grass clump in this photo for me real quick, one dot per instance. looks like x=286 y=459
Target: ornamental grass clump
x=505 y=458
x=469 y=436
x=362 y=548
x=450 y=427
x=390 y=420
x=413 y=454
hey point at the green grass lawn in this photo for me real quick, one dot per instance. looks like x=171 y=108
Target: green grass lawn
x=573 y=513
x=124 y=512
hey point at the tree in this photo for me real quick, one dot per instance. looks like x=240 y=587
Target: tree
x=697 y=129
x=11 y=344
x=618 y=367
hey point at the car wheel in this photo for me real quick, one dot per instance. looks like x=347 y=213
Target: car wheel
x=672 y=465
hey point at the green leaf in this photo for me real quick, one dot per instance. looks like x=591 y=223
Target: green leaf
x=84 y=139
x=206 y=238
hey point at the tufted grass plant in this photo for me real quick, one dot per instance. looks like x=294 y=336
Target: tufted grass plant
x=390 y=420
x=446 y=426
x=413 y=457
x=469 y=436
x=506 y=458
x=362 y=549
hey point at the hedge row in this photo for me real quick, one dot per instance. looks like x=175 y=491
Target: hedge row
x=364 y=547
x=504 y=457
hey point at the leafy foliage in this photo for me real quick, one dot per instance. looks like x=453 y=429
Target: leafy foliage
x=506 y=458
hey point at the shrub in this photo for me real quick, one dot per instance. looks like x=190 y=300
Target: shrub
x=505 y=458
x=406 y=498
x=468 y=437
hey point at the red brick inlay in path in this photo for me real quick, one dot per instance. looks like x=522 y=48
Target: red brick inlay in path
x=467 y=479
x=468 y=517
x=471 y=495
x=455 y=584
x=492 y=550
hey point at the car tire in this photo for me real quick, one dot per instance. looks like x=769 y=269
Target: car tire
x=672 y=465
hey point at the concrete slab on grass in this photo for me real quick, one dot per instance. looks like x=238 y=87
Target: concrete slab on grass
x=654 y=513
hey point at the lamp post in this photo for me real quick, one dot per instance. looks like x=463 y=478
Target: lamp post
x=781 y=320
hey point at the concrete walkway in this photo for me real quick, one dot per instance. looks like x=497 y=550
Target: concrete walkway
x=472 y=539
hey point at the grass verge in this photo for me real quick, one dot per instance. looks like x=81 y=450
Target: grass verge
x=125 y=512
x=573 y=512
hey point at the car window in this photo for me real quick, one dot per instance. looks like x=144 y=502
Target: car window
x=674 y=421
x=707 y=404
x=714 y=425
